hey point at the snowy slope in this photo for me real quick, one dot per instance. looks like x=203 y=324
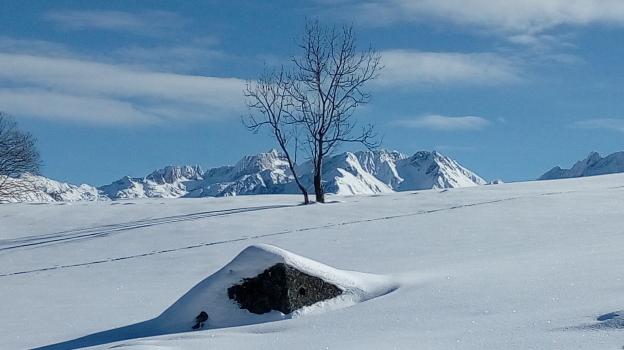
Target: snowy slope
x=510 y=266
x=48 y=190
x=594 y=164
x=382 y=165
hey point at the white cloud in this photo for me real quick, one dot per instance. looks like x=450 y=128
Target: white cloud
x=35 y=47
x=611 y=124
x=444 y=123
x=83 y=109
x=510 y=15
x=413 y=68
x=178 y=58
x=135 y=95
x=521 y=20
x=146 y=22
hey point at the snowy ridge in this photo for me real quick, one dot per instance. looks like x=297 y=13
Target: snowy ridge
x=348 y=173
x=592 y=165
x=48 y=190
x=264 y=173
x=364 y=172
x=433 y=170
x=168 y=182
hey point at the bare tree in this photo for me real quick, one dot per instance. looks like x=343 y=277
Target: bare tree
x=326 y=86
x=18 y=157
x=268 y=97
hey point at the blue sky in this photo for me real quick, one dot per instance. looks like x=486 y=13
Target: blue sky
x=508 y=88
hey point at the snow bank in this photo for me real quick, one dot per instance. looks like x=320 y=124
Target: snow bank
x=210 y=295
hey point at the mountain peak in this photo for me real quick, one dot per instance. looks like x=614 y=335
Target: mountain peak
x=431 y=169
x=173 y=173
x=592 y=165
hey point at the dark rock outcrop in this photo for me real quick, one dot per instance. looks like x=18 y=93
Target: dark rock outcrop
x=283 y=288
x=200 y=320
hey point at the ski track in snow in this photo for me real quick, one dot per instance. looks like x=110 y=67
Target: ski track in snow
x=108 y=229
x=105 y=230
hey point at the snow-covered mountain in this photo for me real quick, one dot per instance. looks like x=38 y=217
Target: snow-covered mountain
x=364 y=172
x=348 y=173
x=48 y=190
x=387 y=171
x=343 y=174
x=594 y=164
x=168 y=182
x=264 y=173
x=433 y=170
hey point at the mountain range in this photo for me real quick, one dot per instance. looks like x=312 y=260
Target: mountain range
x=592 y=165
x=348 y=173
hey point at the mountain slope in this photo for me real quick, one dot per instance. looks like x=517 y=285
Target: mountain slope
x=48 y=190
x=592 y=165
x=426 y=170
x=264 y=173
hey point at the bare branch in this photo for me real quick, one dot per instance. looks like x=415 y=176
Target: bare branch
x=328 y=85
x=18 y=158
x=268 y=98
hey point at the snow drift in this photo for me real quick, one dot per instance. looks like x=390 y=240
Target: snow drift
x=210 y=296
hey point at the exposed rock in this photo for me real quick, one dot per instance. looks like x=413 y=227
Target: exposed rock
x=282 y=288
x=200 y=320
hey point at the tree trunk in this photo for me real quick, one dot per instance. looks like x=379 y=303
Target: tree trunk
x=291 y=166
x=318 y=181
x=318 y=189
x=306 y=199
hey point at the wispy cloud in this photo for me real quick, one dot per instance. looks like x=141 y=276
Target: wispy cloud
x=45 y=104
x=444 y=123
x=191 y=55
x=611 y=124
x=523 y=21
x=414 y=68
x=107 y=93
x=146 y=22
x=529 y=16
x=34 y=47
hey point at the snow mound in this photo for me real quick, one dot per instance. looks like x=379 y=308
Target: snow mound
x=210 y=295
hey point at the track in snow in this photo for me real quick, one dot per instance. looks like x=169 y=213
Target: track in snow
x=105 y=230
x=245 y=238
